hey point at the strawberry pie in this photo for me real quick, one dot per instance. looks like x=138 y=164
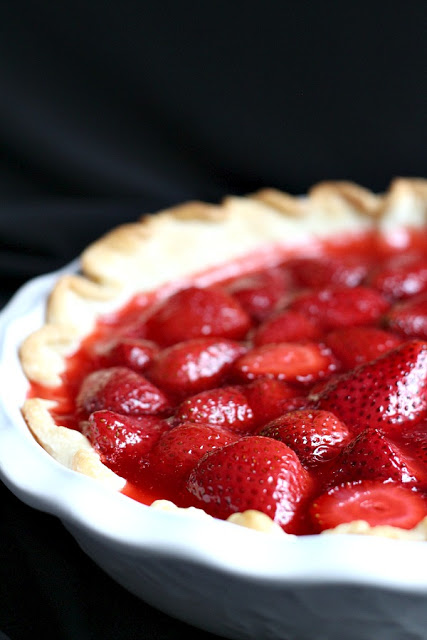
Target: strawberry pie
x=262 y=361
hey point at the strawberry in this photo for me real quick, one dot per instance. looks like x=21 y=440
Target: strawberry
x=289 y=361
x=356 y=345
x=324 y=271
x=401 y=276
x=374 y=502
x=315 y=436
x=336 y=306
x=286 y=326
x=253 y=473
x=260 y=293
x=121 y=390
x=414 y=441
x=227 y=407
x=178 y=450
x=373 y=456
x=189 y=367
x=133 y=353
x=388 y=393
x=269 y=398
x=194 y=313
x=409 y=318
x=123 y=441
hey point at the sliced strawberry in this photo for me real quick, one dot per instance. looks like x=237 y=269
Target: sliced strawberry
x=123 y=441
x=260 y=293
x=373 y=456
x=401 y=276
x=121 y=390
x=133 y=353
x=315 y=436
x=269 y=398
x=289 y=361
x=194 y=313
x=252 y=473
x=189 y=367
x=409 y=318
x=287 y=326
x=227 y=407
x=324 y=271
x=356 y=345
x=178 y=450
x=334 y=307
x=389 y=393
x=374 y=502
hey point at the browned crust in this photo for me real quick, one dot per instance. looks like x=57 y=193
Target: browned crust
x=173 y=245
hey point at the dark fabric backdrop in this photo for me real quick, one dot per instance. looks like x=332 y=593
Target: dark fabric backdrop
x=109 y=109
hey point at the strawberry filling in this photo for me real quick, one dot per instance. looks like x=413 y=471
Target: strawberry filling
x=298 y=390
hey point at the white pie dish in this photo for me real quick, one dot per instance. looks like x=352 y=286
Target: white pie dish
x=220 y=577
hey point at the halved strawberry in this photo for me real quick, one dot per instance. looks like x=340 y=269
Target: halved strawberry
x=348 y=271
x=401 y=276
x=121 y=390
x=195 y=313
x=269 y=398
x=286 y=326
x=133 y=353
x=388 y=393
x=289 y=361
x=409 y=318
x=260 y=293
x=226 y=406
x=315 y=436
x=178 y=450
x=333 y=307
x=374 y=502
x=189 y=367
x=123 y=442
x=356 y=345
x=252 y=473
x=373 y=456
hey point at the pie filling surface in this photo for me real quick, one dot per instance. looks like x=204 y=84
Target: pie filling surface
x=293 y=384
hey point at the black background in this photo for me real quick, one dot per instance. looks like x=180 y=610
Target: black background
x=112 y=109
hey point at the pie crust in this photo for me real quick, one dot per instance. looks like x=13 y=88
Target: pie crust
x=197 y=241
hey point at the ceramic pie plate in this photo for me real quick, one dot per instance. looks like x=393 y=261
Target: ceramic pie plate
x=220 y=577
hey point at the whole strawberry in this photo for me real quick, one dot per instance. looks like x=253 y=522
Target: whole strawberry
x=315 y=436
x=409 y=318
x=226 y=406
x=195 y=313
x=177 y=451
x=133 y=353
x=121 y=390
x=367 y=343
x=389 y=393
x=260 y=293
x=347 y=271
x=270 y=398
x=374 y=456
x=192 y=366
x=124 y=442
x=287 y=326
x=401 y=276
x=253 y=473
x=337 y=306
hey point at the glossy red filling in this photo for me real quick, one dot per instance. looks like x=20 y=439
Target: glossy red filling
x=306 y=378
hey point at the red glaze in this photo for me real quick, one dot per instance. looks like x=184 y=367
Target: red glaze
x=332 y=302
